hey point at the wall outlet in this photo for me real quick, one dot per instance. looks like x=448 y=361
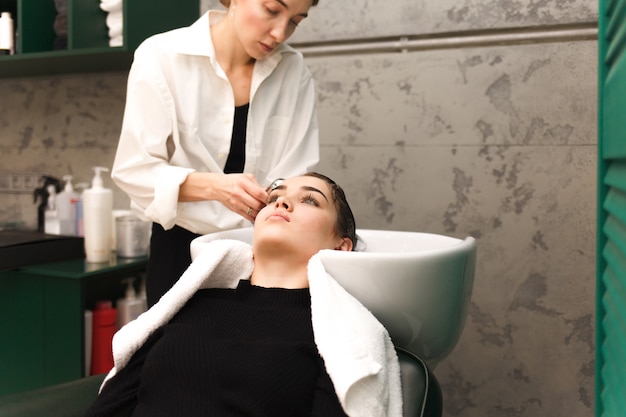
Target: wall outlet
x=19 y=182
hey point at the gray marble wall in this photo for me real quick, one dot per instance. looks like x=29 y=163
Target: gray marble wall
x=498 y=144
x=494 y=141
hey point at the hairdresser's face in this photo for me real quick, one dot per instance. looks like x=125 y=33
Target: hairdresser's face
x=264 y=24
x=300 y=216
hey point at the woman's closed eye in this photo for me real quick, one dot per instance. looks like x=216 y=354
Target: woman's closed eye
x=296 y=22
x=277 y=11
x=272 y=198
x=308 y=198
x=273 y=12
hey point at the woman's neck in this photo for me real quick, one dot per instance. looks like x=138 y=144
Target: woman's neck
x=228 y=50
x=279 y=272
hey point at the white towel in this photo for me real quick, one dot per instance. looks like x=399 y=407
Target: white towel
x=357 y=350
x=111 y=5
x=114 y=21
x=116 y=41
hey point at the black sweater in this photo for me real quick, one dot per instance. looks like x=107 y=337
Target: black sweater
x=243 y=352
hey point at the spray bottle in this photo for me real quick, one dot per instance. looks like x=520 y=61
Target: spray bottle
x=41 y=195
x=97 y=219
x=66 y=206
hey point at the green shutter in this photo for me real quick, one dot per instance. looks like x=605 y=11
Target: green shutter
x=611 y=257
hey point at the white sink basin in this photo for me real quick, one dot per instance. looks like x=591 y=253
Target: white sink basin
x=417 y=284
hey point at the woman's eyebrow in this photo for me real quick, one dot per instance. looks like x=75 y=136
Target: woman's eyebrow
x=304 y=187
x=309 y=188
x=286 y=6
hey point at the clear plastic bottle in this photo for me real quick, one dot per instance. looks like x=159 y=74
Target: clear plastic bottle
x=80 y=187
x=51 y=215
x=97 y=219
x=66 y=206
x=129 y=307
x=142 y=293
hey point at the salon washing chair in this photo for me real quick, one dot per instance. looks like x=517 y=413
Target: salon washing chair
x=421 y=299
x=421 y=394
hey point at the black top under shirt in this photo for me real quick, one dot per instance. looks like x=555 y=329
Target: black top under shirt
x=237 y=154
x=238 y=352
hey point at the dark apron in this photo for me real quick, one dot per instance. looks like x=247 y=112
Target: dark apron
x=169 y=258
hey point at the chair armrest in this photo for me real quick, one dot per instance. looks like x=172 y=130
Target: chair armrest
x=421 y=392
x=71 y=399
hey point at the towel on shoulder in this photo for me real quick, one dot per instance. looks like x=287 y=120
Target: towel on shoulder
x=357 y=350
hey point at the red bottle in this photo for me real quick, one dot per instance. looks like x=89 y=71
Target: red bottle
x=104 y=327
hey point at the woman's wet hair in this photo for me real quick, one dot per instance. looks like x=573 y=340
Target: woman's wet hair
x=346 y=226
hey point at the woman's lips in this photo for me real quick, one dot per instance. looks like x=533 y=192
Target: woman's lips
x=266 y=47
x=279 y=215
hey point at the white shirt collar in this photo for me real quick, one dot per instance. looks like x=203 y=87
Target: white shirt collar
x=197 y=34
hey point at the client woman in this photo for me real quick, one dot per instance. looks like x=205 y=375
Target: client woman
x=260 y=330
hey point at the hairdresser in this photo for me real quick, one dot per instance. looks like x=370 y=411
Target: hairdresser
x=214 y=112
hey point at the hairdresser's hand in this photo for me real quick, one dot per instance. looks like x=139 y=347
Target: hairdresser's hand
x=240 y=193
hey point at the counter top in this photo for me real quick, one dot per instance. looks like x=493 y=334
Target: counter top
x=19 y=248
x=80 y=268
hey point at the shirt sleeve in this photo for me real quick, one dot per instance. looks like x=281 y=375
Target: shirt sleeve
x=141 y=167
x=119 y=395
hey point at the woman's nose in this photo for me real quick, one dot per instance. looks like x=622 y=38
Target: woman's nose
x=282 y=202
x=280 y=32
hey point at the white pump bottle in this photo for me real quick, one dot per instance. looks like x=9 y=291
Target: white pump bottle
x=97 y=219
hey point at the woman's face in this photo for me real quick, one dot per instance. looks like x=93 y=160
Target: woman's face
x=264 y=24
x=300 y=217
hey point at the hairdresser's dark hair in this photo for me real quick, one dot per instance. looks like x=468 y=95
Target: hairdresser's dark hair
x=226 y=3
x=346 y=226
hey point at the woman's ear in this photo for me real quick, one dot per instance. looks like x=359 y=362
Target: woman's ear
x=344 y=244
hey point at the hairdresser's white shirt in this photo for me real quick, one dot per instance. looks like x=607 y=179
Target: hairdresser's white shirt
x=179 y=119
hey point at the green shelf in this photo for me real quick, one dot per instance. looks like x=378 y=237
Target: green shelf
x=87 y=42
x=65 y=62
x=42 y=317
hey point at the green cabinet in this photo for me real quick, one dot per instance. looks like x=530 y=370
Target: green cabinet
x=42 y=318
x=88 y=41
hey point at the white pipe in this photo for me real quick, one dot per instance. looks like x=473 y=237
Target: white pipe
x=405 y=44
